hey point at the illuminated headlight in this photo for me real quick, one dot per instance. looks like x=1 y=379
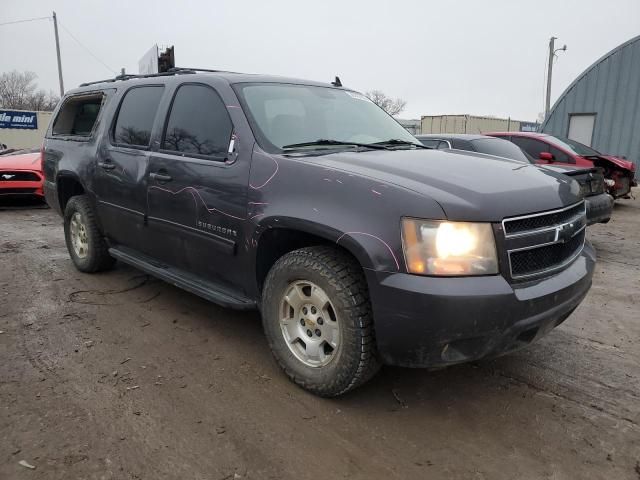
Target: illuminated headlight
x=448 y=248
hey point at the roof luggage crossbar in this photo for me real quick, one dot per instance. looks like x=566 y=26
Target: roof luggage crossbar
x=171 y=71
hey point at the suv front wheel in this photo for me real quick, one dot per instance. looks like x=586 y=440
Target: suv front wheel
x=85 y=243
x=317 y=318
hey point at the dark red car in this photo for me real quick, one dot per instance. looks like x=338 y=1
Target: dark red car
x=21 y=174
x=619 y=172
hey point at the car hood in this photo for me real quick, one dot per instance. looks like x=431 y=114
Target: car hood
x=26 y=161
x=620 y=162
x=468 y=187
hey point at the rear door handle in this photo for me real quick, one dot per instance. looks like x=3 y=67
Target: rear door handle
x=106 y=165
x=160 y=177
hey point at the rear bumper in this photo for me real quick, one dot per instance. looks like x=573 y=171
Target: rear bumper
x=599 y=208
x=431 y=322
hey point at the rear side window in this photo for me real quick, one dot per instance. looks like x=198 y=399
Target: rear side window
x=430 y=142
x=78 y=115
x=500 y=148
x=198 y=123
x=136 y=116
x=461 y=144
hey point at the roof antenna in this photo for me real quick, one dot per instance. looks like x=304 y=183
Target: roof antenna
x=337 y=82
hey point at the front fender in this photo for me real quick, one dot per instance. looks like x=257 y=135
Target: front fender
x=359 y=213
x=326 y=232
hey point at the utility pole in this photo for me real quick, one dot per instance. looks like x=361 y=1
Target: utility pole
x=55 y=29
x=552 y=54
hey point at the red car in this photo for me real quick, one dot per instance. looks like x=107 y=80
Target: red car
x=619 y=173
x=21 y=174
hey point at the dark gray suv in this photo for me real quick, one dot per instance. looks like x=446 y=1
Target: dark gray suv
x=358 y=245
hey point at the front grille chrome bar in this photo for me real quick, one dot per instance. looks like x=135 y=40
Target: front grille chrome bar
x=545 y=242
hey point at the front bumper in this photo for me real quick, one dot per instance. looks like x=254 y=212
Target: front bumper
x=432 y=322
x=622 y=185
x=21 y=188
x=599 y=208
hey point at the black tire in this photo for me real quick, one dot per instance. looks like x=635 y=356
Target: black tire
x=97 y=257
x=342 y=279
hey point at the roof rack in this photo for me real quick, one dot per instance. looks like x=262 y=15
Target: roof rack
x=189 y=69
x=170 y=72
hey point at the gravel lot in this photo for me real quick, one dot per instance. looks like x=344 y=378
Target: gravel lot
x=122 y=376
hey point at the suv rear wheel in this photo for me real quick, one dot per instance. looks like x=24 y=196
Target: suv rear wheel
x=317 y=318
x=85 y=243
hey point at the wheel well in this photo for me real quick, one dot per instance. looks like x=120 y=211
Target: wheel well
x=276 y=242
x=68 y=187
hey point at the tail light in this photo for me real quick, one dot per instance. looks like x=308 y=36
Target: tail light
x=42 y=159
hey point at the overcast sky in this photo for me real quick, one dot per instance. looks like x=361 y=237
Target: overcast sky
x=443 y=57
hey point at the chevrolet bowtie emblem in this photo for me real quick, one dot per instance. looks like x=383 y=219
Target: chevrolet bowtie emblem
x=564 y=233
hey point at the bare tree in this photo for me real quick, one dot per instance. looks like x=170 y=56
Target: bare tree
x=42 y=101
x=18 y=90
x=393 y=106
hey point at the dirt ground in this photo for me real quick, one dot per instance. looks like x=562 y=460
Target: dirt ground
x=122 y=376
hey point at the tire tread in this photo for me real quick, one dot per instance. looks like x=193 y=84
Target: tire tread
x=347 y=277
x=99 y=258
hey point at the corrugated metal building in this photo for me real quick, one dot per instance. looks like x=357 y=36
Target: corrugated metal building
x=472 y=124
x=601 y=108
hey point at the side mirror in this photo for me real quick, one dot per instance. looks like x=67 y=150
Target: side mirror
x=546 y=156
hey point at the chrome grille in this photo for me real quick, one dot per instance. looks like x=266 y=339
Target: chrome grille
x=544 y=242
x=527 y=262
x=18 y=176
x=541 y=220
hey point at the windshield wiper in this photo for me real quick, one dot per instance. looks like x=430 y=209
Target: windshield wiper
x=397 y=141
x=324 y=141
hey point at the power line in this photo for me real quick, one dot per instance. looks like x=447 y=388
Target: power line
x=95 y=57
x=24 y=21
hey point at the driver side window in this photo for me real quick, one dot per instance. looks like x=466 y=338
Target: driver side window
x=531 y=146
x=560 y=156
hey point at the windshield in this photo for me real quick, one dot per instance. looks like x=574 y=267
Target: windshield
x=286 y=114
x=573 y=146
x=500 y=148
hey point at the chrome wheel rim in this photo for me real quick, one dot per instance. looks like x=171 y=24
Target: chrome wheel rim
x=78 y=231
x=309 y=324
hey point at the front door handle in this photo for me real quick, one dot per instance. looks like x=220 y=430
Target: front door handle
x=160 y=177
x=106 y=165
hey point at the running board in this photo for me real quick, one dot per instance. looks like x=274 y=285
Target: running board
x=207 y=290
